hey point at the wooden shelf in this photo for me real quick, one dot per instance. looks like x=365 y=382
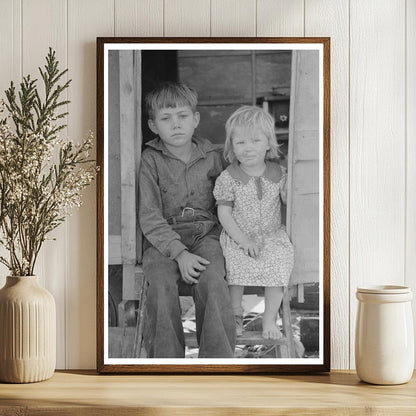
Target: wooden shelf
x=86 y=393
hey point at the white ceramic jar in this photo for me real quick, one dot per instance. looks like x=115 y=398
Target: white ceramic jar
x=384 y=337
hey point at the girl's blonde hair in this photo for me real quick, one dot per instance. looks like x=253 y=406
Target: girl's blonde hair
x=251 y=117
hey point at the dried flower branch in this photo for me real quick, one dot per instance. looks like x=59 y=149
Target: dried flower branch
x=36 y=194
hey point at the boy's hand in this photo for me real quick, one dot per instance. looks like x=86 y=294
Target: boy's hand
x=190 y=266
x=250 y=248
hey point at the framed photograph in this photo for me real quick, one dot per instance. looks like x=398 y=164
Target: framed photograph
x=213 y=222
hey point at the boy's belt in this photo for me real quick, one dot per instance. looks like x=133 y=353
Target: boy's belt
x=191 y=214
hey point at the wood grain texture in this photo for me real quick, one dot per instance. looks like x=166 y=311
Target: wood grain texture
x=85 y=393
x=37 y=38
x=233 y=18
x=138 y=140
x=100 y=202
x=138 y=18
x=128 y=171
x=377 y=147
x=303 y=172
x=280 y=18
x=127 y=158
x=186 y=18
x=410 y=278
x=331 y=18
x=86 y=20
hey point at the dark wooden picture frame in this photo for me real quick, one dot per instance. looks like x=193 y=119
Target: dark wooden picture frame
x=121 y=309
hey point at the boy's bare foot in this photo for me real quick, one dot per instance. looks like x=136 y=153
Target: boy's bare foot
x=270 y=329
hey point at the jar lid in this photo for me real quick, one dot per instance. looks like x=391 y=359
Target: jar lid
x=384 y=289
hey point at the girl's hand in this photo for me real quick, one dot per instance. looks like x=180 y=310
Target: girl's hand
x=227 y=221
x=190 y=266
x=250 y=248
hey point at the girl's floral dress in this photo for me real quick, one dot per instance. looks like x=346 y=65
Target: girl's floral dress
x=256 y=205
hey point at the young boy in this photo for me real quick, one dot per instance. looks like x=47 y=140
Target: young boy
x=176 y=213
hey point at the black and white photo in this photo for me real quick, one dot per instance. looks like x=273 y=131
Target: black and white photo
x=213 y=213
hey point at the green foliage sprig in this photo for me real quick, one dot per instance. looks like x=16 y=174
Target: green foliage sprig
x=41 y=175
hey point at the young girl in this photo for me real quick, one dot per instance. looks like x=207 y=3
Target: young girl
x=256 y=248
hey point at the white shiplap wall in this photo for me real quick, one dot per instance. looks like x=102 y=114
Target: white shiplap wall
x=373 y=132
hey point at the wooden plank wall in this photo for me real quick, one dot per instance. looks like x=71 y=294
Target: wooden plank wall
x=303 y=167
x=410 y=162
x=373 y=151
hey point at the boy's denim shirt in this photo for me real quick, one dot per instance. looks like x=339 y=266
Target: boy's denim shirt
x=167 y=185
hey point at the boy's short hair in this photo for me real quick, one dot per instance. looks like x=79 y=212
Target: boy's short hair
x=251 y=116
x=170 y=95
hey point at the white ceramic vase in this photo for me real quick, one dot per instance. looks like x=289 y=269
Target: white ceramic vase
x=384 y=338
x=27 y=331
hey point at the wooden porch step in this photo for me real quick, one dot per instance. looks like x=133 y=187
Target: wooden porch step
x=248 y=338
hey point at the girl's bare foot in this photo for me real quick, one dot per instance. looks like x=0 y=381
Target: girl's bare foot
x=270 y=329
x=238 y=325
